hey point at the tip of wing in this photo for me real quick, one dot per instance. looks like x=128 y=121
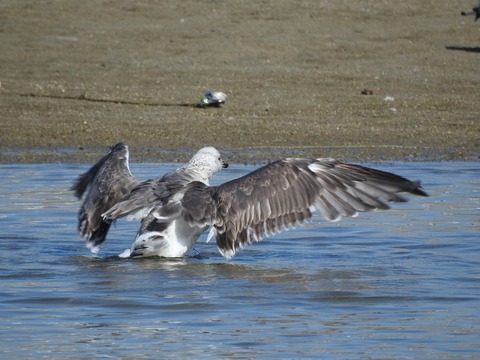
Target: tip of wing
x=93 y=248
x=418 y=190
x=227 y=254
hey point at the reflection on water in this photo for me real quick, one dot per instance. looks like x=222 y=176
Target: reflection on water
x=398 y=284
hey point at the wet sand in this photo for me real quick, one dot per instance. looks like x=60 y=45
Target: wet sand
x=362 y=81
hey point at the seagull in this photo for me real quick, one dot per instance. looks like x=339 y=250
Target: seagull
x=110 y=180
x=175 y=209
x=475 y=11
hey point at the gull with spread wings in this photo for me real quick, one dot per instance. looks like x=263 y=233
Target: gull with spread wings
x=175 y=209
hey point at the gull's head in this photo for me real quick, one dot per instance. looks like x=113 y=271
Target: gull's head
x=207 y=161
x=121 y=151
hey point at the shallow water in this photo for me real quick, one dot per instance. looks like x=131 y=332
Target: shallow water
x=400 y=284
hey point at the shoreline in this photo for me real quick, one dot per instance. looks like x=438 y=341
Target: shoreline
x=382 y=81
x=245 y=156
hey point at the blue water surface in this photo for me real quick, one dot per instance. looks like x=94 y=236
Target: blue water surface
x=398 y=284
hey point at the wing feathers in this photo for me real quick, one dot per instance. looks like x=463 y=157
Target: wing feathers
x=282 y=194
x=102 y=186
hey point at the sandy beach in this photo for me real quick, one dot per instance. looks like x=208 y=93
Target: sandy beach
x=360 y=80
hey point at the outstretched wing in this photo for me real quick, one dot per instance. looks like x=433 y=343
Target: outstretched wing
x=284 y=193
x=102 y=186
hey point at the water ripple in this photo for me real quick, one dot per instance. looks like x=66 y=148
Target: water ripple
x=400 y=284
